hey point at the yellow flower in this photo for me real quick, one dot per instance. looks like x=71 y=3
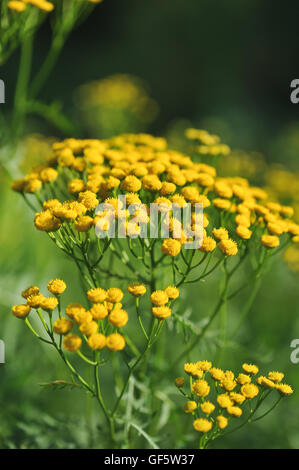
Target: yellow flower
x=270 y=241
x=171 y=247
x=202 y=425
x=284 y=389
x=251 y=369
x=115 y=342
x=216 y=374
x=48 y=174
x=32 y=290
x=228 y=247
x=82 y=316
x=265 y=382
x=220 y=233
x=201 y=388
x=137 y=289
x=243 y=232
x=131 y=184
x=207 y=407
x=49 y=303
x=172 y=292
x=224 y=400
x=228 y=384
x=32 y=186
x=16 y=5
x=249 y=390
x=208 y=244
x=56 y=287
x=46 y=221
x=21 y=311
x=159 y=298
x=89 y=329
x=222 y=204
x=179 y=382
x=97 y=341
x=190 y=406
x=167 y=188
x=74 y=309
x=276 y=376
x=114 y=295
x=222 y=422
x=234 y=411
x=62 y=326
x=118 y=317
x=35 y=300
x=97 y=295
x=75 y=186
x=204 y=365
x=84 y=223
x=151 y=183
x=243 y=379
x=237 y=397
x=72 y=343
x=88 y=199
x=161 y=312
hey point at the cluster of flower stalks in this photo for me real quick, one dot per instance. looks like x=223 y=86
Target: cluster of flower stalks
x=242 y=231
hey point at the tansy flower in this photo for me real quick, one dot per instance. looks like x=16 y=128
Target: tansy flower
x=234 y=411
x=249 y=390
x=270 y=241
x=243 y=379
x=284 y=389
x=118 y=318
x=172 y=292
x=202 y=425
x=224 y=400
x=243 y=232
x=222 y=422
x=97 y=295
x=151 y=183
x=220 y=233
x=115 y=342
x=193 y=370
x=276 y=376
x=72 y=343
x=204 y=365
x=88 y=199
x=21 y=311
x=208 y=244
x=251 y=369
x=265 y=382
x=137 y=289
x=161 y=312
x=62 y=326
x=84 y=223
x=89 y=329
x=114 y=295
x=159 y=298
x=35 y=300
x=216 y=374
x=73 y=309
x=237 y=397
x=207 y=407
x=49 y=303
x=56 y=286
x=228 y=384
x=82 y=316
x=97 y=341
x=32 y=290
x=131 y=184
x=190 y=406
x=179 y=382
x=46 y=221
x=228 y=247
x=171 y=247
x=201 y=388
x=16 y=5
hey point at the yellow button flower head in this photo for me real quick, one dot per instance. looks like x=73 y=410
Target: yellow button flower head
x=249 y=390
x=35 y=300
x=222 y=204
x=224 y=400
x=114 y=295
x=265 y=382
x=216 y=374
x=46 y=221
x=16 y=5
x=243 y=232
x=115 y=342
x=202 y=425
x=159 y=298
x=97 y=295
x=179 y=382
x=220 y=233
x=171 y=247
x=207 y=407
x=243 y=379
x=251 y=369
x=151 y=183
x=172 y=292
x=222 y=422
x=76 y=186
x=228 y=384
x=276 y=376
x=118 y=317
x=62 y=326
x=270 y=241
x=21 y=311
x=131 y=184
x=48 y=174
x=284 y=389
x=32 y=185
x=84 y=223
x=82 y=316
x=32 y=290
x=193 y=370
x=190 y=406
x=73 y=309
x=72 y=343
x=88 y=199
x=49 y=303
x=208 y=245
x=167 y=188
x=56 y=287
x=89 y=329
x=204 y=365
x=234 y=411
x=228 y=247
x=97 y=341
x=137 y=289
x=201 y=388
x=237 y=397
x=161 y=312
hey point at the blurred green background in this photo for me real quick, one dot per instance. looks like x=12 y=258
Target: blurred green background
x=225 y=66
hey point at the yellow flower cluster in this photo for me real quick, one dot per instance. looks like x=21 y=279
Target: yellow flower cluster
x=144 y=170
x=160 y=299
x=104 y=304
x=21 y=5
x=209 y=144
x=213 y=410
